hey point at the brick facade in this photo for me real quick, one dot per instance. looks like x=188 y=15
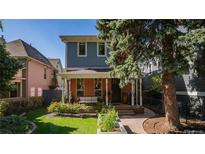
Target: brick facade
x=89 y=88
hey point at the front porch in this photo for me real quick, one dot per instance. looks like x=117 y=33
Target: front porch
x=78 y=83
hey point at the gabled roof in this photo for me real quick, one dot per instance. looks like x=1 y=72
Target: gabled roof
x=19 y=48
x=56 y=60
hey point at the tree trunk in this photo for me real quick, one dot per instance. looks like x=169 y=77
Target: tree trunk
x=170 y=103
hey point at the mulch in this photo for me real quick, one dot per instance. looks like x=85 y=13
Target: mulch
x=156 y=125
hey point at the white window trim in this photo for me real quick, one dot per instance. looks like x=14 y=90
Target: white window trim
x=79 y=48
x=77 y=88
x=98 y=50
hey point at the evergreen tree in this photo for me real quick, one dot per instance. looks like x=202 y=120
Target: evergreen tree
x=54 y=81
x=134 y=43
x=8 y=68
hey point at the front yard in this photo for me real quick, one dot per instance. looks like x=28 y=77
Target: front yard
x=61 y=125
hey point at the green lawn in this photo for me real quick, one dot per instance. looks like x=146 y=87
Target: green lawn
x=61 y=125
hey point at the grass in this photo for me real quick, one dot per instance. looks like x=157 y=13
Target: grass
x=61 y=125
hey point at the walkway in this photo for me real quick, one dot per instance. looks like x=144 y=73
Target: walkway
x=134 y=123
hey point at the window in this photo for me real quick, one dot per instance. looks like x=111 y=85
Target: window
x=98 y=87
x=82 y=49
x=101 y=49
x=16 y=91
x=80 y=87
x=45 y=76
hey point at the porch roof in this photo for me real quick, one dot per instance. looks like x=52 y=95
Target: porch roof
x=80 y=73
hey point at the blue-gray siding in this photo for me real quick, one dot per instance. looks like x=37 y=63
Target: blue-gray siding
x=72 y=59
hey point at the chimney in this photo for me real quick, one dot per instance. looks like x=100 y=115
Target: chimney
x=2 y=40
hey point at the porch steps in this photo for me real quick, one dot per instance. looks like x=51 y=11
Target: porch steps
x=124 y=109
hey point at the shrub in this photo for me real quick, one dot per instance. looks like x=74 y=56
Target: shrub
x=63 y=108
x=14 y=124
x=57 y=99
x=3 y=108
x=74 y=108
x=69 y=108
x=53 y=107
x=99 y=106
x=36 y=100
x=20 y=105
x=107 y=119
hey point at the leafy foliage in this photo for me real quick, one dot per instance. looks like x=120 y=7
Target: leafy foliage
x=69 y=108
x=1 y=26
x=54 y=82
x=20 y=105
x=8 y=68
x=156 y=82
x=14 y=124
x=53 y=107
x=136 y=42
x=107 y=119
x=3 y=108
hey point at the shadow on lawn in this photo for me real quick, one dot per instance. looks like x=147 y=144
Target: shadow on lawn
x=50 y=128
x=47 y=127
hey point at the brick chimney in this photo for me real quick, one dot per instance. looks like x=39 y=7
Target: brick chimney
x=2 y=40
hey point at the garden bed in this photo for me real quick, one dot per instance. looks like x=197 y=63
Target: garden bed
x=155 y=125
x=119 y=129
x=14 y=124
x=78 y=115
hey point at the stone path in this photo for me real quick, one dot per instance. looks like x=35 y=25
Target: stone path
x=134 y=123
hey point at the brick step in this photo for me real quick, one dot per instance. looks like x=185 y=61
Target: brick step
x=125 y=111
x=126 y=114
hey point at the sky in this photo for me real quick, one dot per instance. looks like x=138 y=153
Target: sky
x=44 y=34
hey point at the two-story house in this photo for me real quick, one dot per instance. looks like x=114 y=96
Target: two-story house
x=36 y=74
x=88 y=75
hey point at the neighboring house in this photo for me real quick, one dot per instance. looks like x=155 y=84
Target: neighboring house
x=56 y=63
x=87 y=74
x=36 y=74
x=190 y=87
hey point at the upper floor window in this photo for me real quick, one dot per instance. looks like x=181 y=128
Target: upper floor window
x=101 y=49
x=45 y=75
x=80 y=87
x=82 y=49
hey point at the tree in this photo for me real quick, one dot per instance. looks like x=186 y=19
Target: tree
x=8 y=68
x=134 y=43
x=1 y=27
x=54 y=82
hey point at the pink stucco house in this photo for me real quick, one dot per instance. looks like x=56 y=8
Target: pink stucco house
x=36 y=74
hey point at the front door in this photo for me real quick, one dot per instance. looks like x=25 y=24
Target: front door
x=116 y=91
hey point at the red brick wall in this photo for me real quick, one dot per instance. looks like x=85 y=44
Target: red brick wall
x=89 y=88
x=73 y=87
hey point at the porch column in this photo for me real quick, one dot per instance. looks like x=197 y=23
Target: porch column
x=62 y=87
x=21 y=89
x=69 y=90
x=136 y=89
x=106 y=91
x=66 y=89
x=133 y=93
x=140 y=92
